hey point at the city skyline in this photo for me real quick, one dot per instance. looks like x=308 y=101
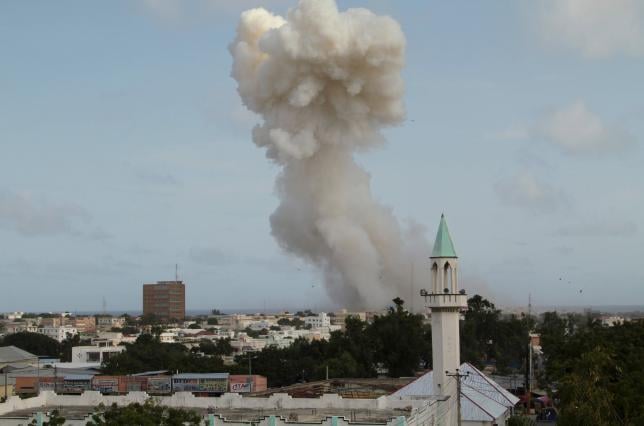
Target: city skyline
x=126 y=151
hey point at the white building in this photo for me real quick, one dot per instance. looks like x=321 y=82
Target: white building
x=612 y=320
x=318 y=321
x=106 y=323
x=168 y=337
x=483 y=401
x=90 y=354
x=59 y=333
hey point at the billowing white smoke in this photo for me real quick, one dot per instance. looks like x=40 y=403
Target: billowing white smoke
x=325 y=82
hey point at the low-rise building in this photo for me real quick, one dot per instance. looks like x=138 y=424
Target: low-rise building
x=98 y=354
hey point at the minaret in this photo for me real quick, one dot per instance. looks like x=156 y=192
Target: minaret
x=446 y=303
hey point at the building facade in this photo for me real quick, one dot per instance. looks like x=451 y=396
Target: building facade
x=165 y=299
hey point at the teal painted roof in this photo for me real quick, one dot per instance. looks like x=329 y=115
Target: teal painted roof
x=443 y=246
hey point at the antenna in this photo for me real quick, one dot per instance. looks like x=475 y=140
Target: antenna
x=176 y=273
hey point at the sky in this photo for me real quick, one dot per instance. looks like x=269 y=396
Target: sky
x=124 y=150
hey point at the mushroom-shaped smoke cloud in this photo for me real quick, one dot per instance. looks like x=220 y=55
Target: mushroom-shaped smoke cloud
x=325 y=82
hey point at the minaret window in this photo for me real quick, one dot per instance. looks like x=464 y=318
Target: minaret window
x=435 y=284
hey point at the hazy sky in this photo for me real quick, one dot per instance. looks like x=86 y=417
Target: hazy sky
x=125 y=149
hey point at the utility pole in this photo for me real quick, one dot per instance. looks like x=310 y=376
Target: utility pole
x=458 y=377
x=529 y=384
x=250 y=374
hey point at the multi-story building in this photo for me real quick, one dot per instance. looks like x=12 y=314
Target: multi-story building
x=58 y=333
x=84 y=324
x=318 y=321
x=106 y=323
x=165 y=299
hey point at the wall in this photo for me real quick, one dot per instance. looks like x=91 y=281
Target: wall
x=228 y=400
x=218 y=421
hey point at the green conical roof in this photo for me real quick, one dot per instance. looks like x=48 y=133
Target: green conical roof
x=443 y=246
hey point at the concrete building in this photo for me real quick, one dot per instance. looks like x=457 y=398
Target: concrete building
x=84 y=324
x=318 y=321
x=58 y=333
x=165 y=299
x=106 y=323
x=98 y=354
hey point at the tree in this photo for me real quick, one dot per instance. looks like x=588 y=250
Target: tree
x=36 y=343
x=150 y=319
x=219 y=347
x=399 y=340
x=128 y=329
x=252 y=333
x=194 y=326
x=147 y=414
x=147 y=353
x=213 y=321
x=585 y=398
x=55 y=419
x=595 y=372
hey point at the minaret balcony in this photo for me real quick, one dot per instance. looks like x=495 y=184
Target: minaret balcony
x=445 y=300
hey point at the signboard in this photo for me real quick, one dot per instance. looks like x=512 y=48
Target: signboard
x=106 y=385
x=159 y=385
x=240 y=387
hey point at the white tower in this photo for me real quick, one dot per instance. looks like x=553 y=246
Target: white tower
x=446 y=302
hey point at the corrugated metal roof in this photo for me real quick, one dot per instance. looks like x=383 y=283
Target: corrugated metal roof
x=149 y=373
x=9 y=354
x=481 y=400
x=79 y=377
x=201 y=376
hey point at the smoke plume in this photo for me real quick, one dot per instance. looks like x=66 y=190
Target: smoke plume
x=325 y=82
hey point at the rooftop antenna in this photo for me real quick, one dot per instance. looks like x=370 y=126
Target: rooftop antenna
x=176 y=273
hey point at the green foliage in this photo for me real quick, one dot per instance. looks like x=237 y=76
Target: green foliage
x=294 y=322
x=35 y=343
x=194 y=326
x=147 y=414
x=147 y=353
x=128 y=329
x=150 y=319
x=521 y=421
x=252 y=333
x=486 y=337
x=596 y=372
x=213 y=321
x=398 y=341
x=55 y=419
x=219 y=347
